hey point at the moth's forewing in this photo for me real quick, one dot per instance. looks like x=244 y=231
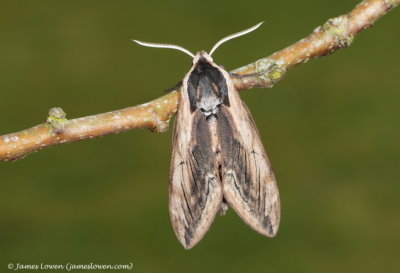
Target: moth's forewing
x=248 y=181
x=195 y=192
x=217 y=153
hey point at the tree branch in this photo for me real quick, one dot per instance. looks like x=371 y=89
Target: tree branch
x=335 y=34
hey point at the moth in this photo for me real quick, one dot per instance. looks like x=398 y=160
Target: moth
x=218 y=159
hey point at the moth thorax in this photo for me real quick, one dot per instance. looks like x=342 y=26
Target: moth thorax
x=209 y=107
x=209 y=104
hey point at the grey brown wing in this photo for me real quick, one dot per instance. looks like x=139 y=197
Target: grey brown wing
x=195 y=192
x=248 y=182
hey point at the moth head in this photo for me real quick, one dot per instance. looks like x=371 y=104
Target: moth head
x=201 y=54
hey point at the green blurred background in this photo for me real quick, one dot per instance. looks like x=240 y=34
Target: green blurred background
x=331 y=129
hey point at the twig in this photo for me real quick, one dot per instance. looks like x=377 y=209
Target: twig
x=335 y=34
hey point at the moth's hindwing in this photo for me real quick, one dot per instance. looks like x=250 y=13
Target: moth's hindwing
x=248 y=181
x=195 y=192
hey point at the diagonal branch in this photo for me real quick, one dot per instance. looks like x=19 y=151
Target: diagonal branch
x=335 y=34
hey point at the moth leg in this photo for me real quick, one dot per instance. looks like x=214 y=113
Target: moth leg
x=174 y=88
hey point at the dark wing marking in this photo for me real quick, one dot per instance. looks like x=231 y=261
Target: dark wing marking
x=248 y=182
x=195 y=193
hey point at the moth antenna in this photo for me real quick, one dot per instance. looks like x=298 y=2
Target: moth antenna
x=234 y=35
x=165 y=46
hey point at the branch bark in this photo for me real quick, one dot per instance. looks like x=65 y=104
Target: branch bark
x=335 y=34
